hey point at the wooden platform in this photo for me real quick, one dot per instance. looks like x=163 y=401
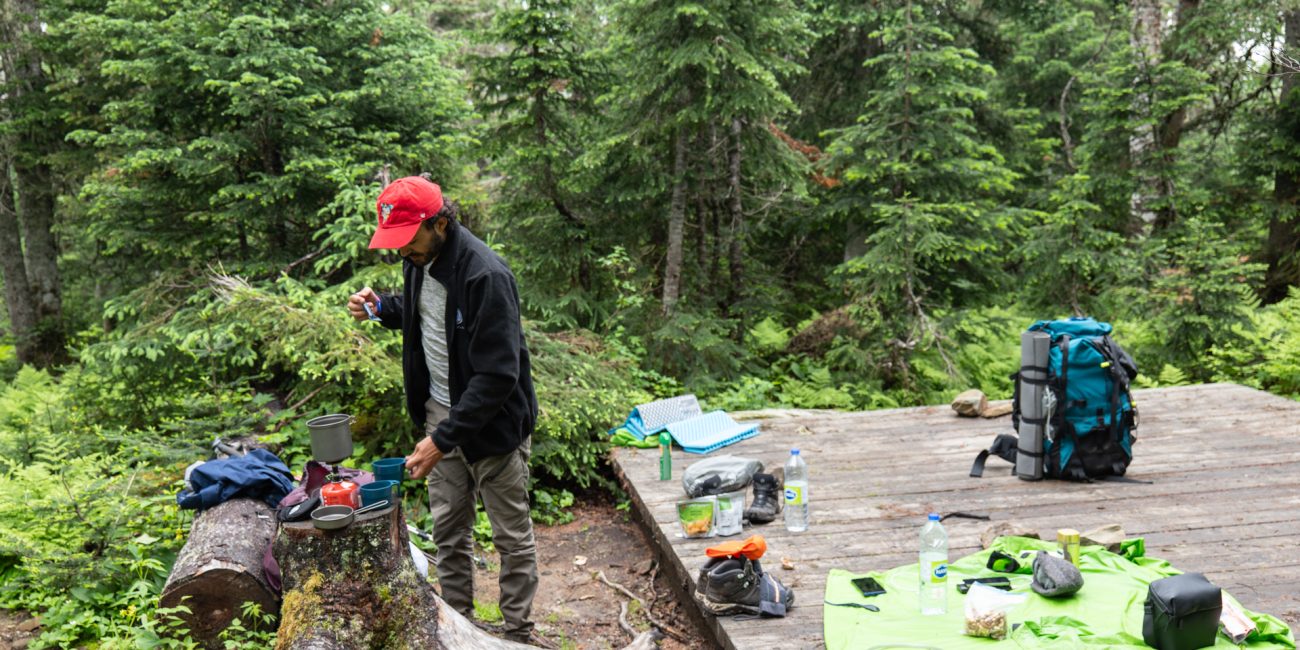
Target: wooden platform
x=1225 y=461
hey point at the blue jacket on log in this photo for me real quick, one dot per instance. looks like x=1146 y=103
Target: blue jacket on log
x=257 y=475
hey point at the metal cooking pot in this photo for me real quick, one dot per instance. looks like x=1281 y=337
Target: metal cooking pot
x=331 y=437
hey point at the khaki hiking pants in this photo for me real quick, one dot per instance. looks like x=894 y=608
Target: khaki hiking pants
x=502 y=483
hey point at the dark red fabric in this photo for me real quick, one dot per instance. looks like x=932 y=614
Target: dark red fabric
x=313 y=477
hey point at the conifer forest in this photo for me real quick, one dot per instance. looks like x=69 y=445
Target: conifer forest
x=814 y=204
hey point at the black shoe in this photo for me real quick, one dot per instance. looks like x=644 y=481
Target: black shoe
x=495 y=629
x=531 y=638
x=767 y=499
x=739 y=586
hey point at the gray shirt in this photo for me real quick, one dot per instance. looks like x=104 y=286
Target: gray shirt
x=433 y=336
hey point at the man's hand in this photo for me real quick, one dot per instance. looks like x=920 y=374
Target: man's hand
x=360 y=298
x=422 y=460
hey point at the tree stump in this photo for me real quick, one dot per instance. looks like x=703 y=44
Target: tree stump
x=220 y=568
x=358 y=588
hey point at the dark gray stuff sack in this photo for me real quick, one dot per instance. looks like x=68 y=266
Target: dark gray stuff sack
x=1182 y=613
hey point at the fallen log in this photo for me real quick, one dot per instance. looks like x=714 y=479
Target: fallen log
x=220 y=568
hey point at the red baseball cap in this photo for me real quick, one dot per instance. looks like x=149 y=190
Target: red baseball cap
x=402 y=206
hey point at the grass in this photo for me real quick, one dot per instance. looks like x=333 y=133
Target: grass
x=487 y=612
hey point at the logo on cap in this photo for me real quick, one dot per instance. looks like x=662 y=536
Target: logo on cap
x=386 y=210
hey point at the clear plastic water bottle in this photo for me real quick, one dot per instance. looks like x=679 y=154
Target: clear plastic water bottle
x=796 y=493
x=934 y=567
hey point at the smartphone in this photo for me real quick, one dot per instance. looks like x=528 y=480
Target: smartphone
x=868 y=586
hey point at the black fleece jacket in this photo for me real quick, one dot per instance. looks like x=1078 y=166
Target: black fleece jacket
x=493 y=406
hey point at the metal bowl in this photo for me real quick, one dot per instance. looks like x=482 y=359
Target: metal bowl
x=332 y=517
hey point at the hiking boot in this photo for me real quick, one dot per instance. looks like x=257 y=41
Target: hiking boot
x=767 y=499
x=738 y=585
x=495 y=629
x=532 y=638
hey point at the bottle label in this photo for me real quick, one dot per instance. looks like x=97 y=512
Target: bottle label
x=939 y=572
x=794 y=495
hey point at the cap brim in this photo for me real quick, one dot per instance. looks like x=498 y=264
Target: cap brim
x=393 y=237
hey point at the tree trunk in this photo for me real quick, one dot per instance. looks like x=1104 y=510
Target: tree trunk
x=18 y=296
x=1283 y=246
x=676 y=219
x=855 y=245
x=36 y=209
x=736 y=267
x=1145 y=38
x=33 y=181
x=358 y=588
x=220 y=568
x=1171 y=126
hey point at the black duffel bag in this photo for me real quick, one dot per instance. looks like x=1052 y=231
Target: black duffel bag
x=1182 y=613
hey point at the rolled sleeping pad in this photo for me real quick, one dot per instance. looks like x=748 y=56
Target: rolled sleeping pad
x=1034 y=349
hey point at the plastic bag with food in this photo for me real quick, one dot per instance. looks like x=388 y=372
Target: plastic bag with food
x=696 y=516
x=986 y=611
x=729 y=518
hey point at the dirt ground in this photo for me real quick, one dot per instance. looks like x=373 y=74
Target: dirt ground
x=573 y=608
x=17 y=629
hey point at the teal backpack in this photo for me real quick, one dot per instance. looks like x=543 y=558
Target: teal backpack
x=1090 y=424
x=1090 y=430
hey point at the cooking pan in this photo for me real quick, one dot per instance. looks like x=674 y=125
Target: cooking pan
x=335 y=517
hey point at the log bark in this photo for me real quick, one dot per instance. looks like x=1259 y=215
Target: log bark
x=358 y=588
x=220 y=568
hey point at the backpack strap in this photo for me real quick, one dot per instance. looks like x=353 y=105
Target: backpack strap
x=1004 y=447
x=1111 y=352
x=1015 y=401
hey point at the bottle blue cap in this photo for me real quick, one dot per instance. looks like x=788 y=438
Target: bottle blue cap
x=794 y=452
x=934 y=516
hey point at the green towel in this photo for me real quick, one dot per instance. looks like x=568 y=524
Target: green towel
x=1106 y=613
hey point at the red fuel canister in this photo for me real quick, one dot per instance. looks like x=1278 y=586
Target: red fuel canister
x=340 y=493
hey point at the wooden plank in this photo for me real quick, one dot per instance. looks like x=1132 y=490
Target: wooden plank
x=1225 y=500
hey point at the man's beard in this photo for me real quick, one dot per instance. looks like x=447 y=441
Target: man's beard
x=419 y=258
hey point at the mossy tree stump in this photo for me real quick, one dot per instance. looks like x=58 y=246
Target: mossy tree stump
x=358 y=588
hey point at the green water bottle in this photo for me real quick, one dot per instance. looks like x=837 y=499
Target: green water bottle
x=665 y=456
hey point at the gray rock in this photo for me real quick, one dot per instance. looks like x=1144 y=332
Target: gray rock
x=970 y=403
x=1109 y=536
x=997 y=409
x=29 y=624
x=1006 y=529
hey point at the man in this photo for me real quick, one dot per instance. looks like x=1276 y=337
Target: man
x=469 y=387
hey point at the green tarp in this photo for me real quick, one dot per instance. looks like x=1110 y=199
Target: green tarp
x=1106 y=613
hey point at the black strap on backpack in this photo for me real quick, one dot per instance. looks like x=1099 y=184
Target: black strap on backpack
x=1004 y=447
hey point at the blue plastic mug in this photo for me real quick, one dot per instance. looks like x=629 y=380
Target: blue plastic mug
x=389 y=469
x=372 y=493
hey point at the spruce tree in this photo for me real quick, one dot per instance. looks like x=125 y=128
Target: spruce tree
x=254 y=134
x=923 y=183
x=701 y=86
x=539 y=85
